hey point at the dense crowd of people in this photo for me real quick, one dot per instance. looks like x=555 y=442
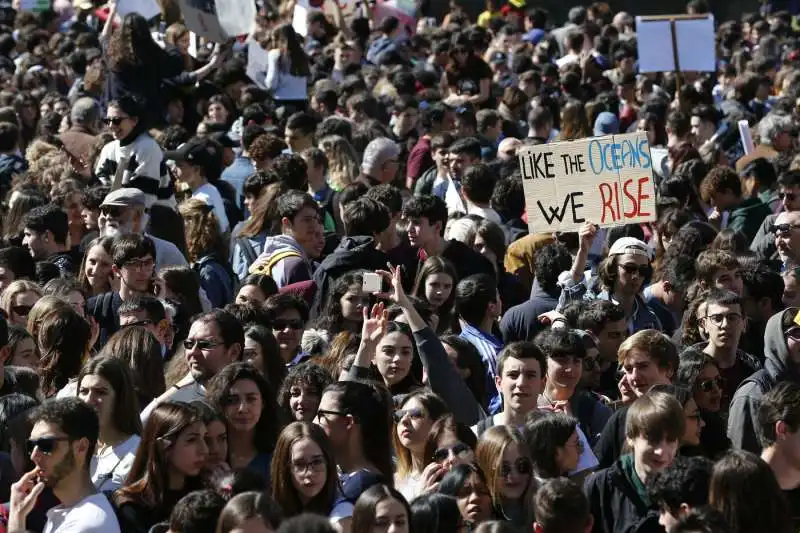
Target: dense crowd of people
x=308 y=300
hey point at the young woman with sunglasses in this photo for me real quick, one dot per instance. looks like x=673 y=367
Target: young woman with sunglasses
x=106 y=385
x=413 y=419
x=467 y=483
x=301 y=391
x=18 y=299
x=356 y=416
x=244 y=397
x=699 y=373
x=449 y=444
x=304 y=477
x=167 y=466
x=503 y=455
x=381 y=508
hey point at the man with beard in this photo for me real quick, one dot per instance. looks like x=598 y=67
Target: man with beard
x=215 y=339
x=124 y=212
x=133 y=258
x=61 y=445
x=782 y=351
x=786 y=230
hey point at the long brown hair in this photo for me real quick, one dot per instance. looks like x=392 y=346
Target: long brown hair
x=574 y=124
x=264 y=216
x=203 y=236
x=434 y=407
x=105 y=244
x=489 y=456
x=132 y=45
x=126 y=405
x=140 y=350
x=283 y=490
x=148 y=478
x=63 y=341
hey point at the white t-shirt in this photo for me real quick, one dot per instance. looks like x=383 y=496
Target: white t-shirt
x=210 y=195
x=93 y=514
x=110 y=469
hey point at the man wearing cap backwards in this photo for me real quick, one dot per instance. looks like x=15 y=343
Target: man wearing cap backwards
x=123 y=212
x=622 y=276
x=197 y=161
x=380 y=162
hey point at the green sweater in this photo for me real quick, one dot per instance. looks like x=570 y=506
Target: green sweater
x=748 y=216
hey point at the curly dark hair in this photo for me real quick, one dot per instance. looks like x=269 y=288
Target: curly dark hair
x=686 y=480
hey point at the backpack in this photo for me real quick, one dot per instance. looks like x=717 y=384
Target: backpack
x=267 y=266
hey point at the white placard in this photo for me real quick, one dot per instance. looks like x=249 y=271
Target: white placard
x=236 y=17
x=654 y=42
x=694 y=39
x=604 y=180
x=218 y=20
x=257 y=59
x=146 y=8
x=747 y=139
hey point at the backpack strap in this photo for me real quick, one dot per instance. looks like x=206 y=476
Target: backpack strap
x=266 y=267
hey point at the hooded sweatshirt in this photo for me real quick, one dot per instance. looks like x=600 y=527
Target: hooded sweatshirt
x=284 y=260
x=743 y=415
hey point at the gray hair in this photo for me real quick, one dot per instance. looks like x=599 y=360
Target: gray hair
x=85 y=111
x=772 y=125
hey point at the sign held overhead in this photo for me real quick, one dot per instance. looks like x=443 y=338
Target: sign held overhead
x=605 y=180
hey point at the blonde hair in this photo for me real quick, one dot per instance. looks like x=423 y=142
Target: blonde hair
x=14 y=288
x=655 y=344
x=343 y=166
x=489 y=456
x=43 y=307
x=202 y=229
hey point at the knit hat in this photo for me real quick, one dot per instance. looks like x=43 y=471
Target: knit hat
x=378 y=152
x=606 y=124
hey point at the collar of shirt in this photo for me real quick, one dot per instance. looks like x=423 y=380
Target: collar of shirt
x=469 y=329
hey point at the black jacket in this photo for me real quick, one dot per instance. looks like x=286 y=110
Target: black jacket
x=615 y=504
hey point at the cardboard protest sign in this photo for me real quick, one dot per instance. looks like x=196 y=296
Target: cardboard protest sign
x=257 y=59
x=146 y=8
x=218 y=20
x=302 y=8
x=604 y=180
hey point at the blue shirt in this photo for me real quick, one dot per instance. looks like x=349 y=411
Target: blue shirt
x=488 y=347
x=241 y=169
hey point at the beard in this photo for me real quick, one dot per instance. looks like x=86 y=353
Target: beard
x=62 y=469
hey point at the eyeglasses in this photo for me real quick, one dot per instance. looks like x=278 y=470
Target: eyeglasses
x=114 y=120
x=46 y=445
x=643 y=270
x=139 y=264
x=459 y=450
x=202 y=345
x=138 y=323
x=719 y=318
x=283 y=324
x=324 y=413
x=317 y=464
x=707 y=385
x=113 y=211
x=416 y=414
x=21 y=310
x=787 y=195
x=522 y=466
x=781 y=229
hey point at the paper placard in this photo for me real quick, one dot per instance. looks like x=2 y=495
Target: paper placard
x=218 y=20
x=146 y=8
x=257 y=59
x=694 y=39
x=747 y=139
x=604 y=180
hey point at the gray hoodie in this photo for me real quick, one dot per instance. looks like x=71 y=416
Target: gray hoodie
x=743 y=415
x=284 y=260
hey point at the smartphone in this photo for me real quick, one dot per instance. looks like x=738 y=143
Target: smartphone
x=372 y=283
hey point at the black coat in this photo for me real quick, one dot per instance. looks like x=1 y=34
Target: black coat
x=616 y=506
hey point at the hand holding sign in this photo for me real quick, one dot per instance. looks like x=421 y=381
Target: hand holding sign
x=607 y=180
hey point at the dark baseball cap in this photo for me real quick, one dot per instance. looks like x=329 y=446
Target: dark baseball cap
x=200 y=152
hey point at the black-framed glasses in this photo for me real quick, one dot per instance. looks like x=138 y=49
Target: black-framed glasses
x=707 y=385
x=139 y=264
x=459 y=450
x=280 y=325
x=116 y=121
x=324 y=413
x=643 y=270
x=416 y=414
x=202 y=344
x=316 y=464
x=782 y=229
x=46 y=445
x=718 y=318
x=787 y=195
x=113 y=211
x=21 y=310
x=522 y=466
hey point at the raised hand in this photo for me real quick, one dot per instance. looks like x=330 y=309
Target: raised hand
x=397 y=293
x=374 y=325
x=24 y=494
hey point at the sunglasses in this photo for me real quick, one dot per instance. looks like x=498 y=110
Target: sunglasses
x=415 y=414
x=202 y=345
x=460 y=450
x=138 y=323
x=116 y=121
x=643 y=270
x=280 y=325
x=111 y=211
x=787 y=195
x=522 y=465
x=21 y=310
x=781 y=229
x=46 y=445
x=707 y=385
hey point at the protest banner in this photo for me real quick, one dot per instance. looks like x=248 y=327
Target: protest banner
x=218 y=20
x=604 y=180
x=146 y=8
